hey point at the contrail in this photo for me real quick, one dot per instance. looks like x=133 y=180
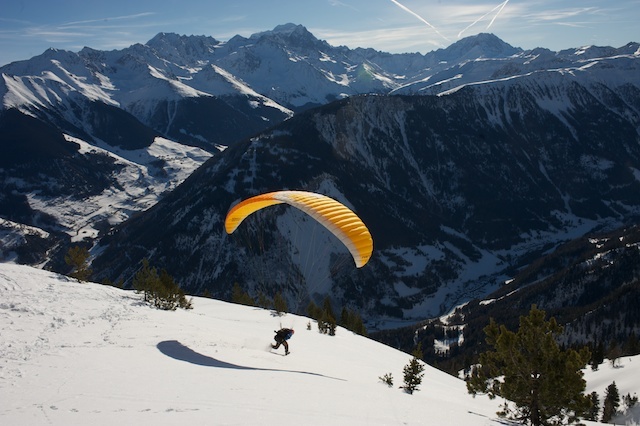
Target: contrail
x=501 y=6
x=406 y=9
x=497 y=13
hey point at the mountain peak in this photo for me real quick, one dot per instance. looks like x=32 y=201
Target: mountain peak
x=483 y=45
x=287 y=30
x=179 y=47
x=291 y=34
x=174 y=39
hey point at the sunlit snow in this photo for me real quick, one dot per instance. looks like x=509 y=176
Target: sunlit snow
x=81 y=353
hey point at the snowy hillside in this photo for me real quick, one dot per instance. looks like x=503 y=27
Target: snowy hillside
x=78 y=354
x=139 y=178
x=144 y=176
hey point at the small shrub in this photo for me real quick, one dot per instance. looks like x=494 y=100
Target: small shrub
x=387 y=379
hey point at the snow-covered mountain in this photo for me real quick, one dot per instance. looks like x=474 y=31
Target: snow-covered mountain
x=459 y=191
x=202 y=91
x=58 y=189
x=81 y=353
x=590 y=285
x=507 y=153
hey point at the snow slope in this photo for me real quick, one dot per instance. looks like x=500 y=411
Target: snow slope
x=81 y=353
x=138 y=185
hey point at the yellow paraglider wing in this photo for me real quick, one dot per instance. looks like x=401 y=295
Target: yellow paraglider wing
x=336 y=217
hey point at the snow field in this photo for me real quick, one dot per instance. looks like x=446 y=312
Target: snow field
x=82 y=353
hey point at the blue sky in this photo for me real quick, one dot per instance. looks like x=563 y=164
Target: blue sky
x=27 y=28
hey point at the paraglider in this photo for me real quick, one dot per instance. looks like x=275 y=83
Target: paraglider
x=336 y=217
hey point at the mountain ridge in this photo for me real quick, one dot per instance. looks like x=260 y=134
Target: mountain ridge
x=525 y=114
x=458 y=217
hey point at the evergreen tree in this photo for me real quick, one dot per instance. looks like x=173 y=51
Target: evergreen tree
x=417 y=352
x=629 y=401
x=327 y=324
x=528 y=368
x=345 y=317
x=611 y=402
x=280 y=304
x=413 y=373
x=632 y=345
x=594 y=410
x=357 y=326
x=314 y=310
x=597 y=356
x=351 y=320
x=145 y=280
x=324 y=316
x=263 y=301
x=168 y=295
x=78 y=259
x=241 y=297
x=614 y=354
x=326 y=307
x=160 y=290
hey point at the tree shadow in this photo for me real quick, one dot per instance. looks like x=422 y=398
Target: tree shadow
x=180 y=352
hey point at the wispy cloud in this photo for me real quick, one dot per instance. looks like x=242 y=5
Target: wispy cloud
x=108 y=19
x=562 y=13
x=338 y=3
x=89 y=30
x=401 y=39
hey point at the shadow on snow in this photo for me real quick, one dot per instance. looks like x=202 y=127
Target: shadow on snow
x=176 y=350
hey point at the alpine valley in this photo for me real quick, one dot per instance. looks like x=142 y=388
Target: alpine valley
x=468 y=164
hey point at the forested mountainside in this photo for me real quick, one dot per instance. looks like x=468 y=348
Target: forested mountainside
x=590 y=285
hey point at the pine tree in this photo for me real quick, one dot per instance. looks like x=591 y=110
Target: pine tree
x=160 y=290
x=632 y=345
x=611 y=402
x=280 y=304
x=345 y=317
x=145 y=280
x=357 y=326
x=241 y=297
x=327 y=324
x=629 y=401
x=614 y=354
x=597 y=356
x=326 y=307
x=263 y=301
x=314 y=310
x=168 y=294
x=528 y=368
x=592 y=414
x=78 y=258
x=413 y=373
x=351 y=320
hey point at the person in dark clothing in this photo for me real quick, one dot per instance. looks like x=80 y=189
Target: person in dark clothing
x=281 y=338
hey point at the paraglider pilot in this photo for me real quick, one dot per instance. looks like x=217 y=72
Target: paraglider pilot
x=281 y=338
